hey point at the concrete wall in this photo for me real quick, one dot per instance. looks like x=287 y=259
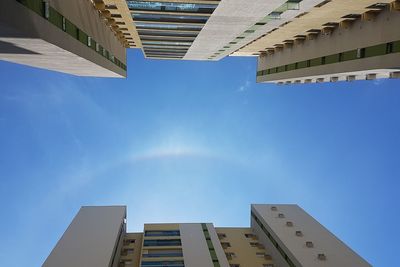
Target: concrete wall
x=194 y=246
x=86 y=17
x=362 y=33
x=36 y=42
x=230 y=19
x=336 y=252
x=277 y=258
x=91 y=239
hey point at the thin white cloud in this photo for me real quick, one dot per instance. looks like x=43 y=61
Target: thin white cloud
x=245 y=86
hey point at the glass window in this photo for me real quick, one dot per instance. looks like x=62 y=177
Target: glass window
x=169 y=18
x=167 y=33
x=163 y=263
x=162 y=242
x=177 y=27
x=167 y=43
x=171 y=6
x=163 y=253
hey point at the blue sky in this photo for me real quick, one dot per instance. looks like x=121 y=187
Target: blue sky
x=195 y=141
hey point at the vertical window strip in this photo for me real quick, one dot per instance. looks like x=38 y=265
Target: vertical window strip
x=210 y=245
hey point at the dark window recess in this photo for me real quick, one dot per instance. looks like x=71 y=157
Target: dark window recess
x=389 y=48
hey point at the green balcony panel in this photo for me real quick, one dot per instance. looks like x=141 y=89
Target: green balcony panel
x=56 y=18
x=291 y=67
x=396 y=47
x=349 y=55
x=332 y=59
x=302 y=64
x=376 y=50
x=316 y=62
x=83 y=37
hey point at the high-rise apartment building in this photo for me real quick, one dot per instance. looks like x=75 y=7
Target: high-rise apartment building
x=296 y=41
x=279 y=236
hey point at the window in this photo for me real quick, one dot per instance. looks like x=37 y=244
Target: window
x=340 y=57
x=127 y=252
x=171 y=6
x=162 y=242
x=162 y=264
x=249 y=236
x=230 y=255
x=389 y=48
x=151 y=32
x=360 y=52
x=268 y=257
x=128 y=263
x=281 y=215
x=162 y=233
x=157 y=253
x=321 y=257
x=46 y=8
x=169 y=18
x=127 y=242
x=309 y=244
x=225 y=245
x=260 y=254
x=290 y=224
x=221 y=236
x=168 y=26
x=299 y=233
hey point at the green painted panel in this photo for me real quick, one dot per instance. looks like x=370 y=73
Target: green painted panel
x=396 y=47
x=349 y=55
x=332 y=59
x=291 y=67
x=93 y=46
x=71 y=29
x=376 y=50
x=213 y=255
x=315 y=62
x=302 y=64
x=83 y=37
x=56 y=18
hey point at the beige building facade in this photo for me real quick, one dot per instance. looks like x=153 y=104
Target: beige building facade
x=66 y=36
x=295 y=41
x=278 y=236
